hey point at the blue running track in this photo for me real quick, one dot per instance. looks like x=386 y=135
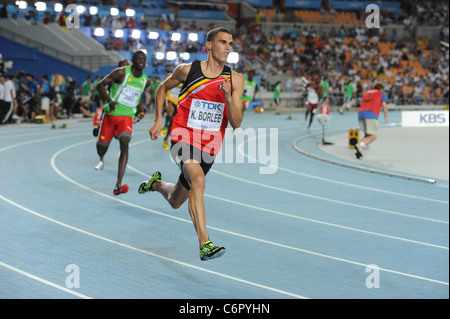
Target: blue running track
x=312 y=229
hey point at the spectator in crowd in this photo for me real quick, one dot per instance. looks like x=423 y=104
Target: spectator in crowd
x=9 y=99
x=3 y=12
x=45 y=94
x=46 y=19
x=29 y=100
x=2 y=97
x=61 y=20
x=341 y=53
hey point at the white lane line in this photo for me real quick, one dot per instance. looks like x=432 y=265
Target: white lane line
x=44 y=281
x=39 y=141
x=304 y=218
x=241 y=150
x=325 y=223
x=117 y=243
x=323 y=198
x=328 y=199
x=298 y=217
x=35 y=131
x=222 y=230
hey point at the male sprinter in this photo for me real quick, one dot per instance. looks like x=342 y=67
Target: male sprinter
x=127 y=86
x=211 y=97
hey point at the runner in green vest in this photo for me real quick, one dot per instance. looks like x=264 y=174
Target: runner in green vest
x=250 y=90
x=124 y=101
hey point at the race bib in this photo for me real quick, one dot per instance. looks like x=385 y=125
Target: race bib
x=129 y=97
x=205 y=115
x=312 y=97
x=249 y=90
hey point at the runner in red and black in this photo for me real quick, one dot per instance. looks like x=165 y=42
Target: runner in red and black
x=211 y=97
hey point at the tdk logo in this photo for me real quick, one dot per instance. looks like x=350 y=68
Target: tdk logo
x=432 y=118
x=207 y=105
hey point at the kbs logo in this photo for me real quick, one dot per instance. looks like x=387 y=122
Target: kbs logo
x=433 y=118
x=425 y=118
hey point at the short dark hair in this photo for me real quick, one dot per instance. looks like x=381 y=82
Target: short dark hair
x=214 y=32
x=378 y=86
x=138 y=52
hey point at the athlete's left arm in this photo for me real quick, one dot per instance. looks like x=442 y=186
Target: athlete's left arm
x=234 y=101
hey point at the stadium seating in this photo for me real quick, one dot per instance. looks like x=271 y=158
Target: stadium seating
x=309 y=18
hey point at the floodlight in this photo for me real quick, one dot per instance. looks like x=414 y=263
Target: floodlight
x=185 y=56
x=153 y=35
x=193 y=37
x=80 y=9
x=118 y=33
x=58 y=7
x=93 y=10
x=176 y=36
x=130 y=13
x=114 y=11
x=171 y=55
x=22 y=4
x=40 y=6
x=136 y=34
x=99 y=32
x=159 y=55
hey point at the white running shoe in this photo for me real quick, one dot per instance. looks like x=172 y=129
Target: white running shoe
x=99 y=166
x=363 y=146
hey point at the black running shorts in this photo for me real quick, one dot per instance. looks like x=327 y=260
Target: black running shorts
x=182 y=152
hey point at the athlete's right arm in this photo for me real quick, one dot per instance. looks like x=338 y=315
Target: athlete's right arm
x=116 y=75
x=178 y=76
